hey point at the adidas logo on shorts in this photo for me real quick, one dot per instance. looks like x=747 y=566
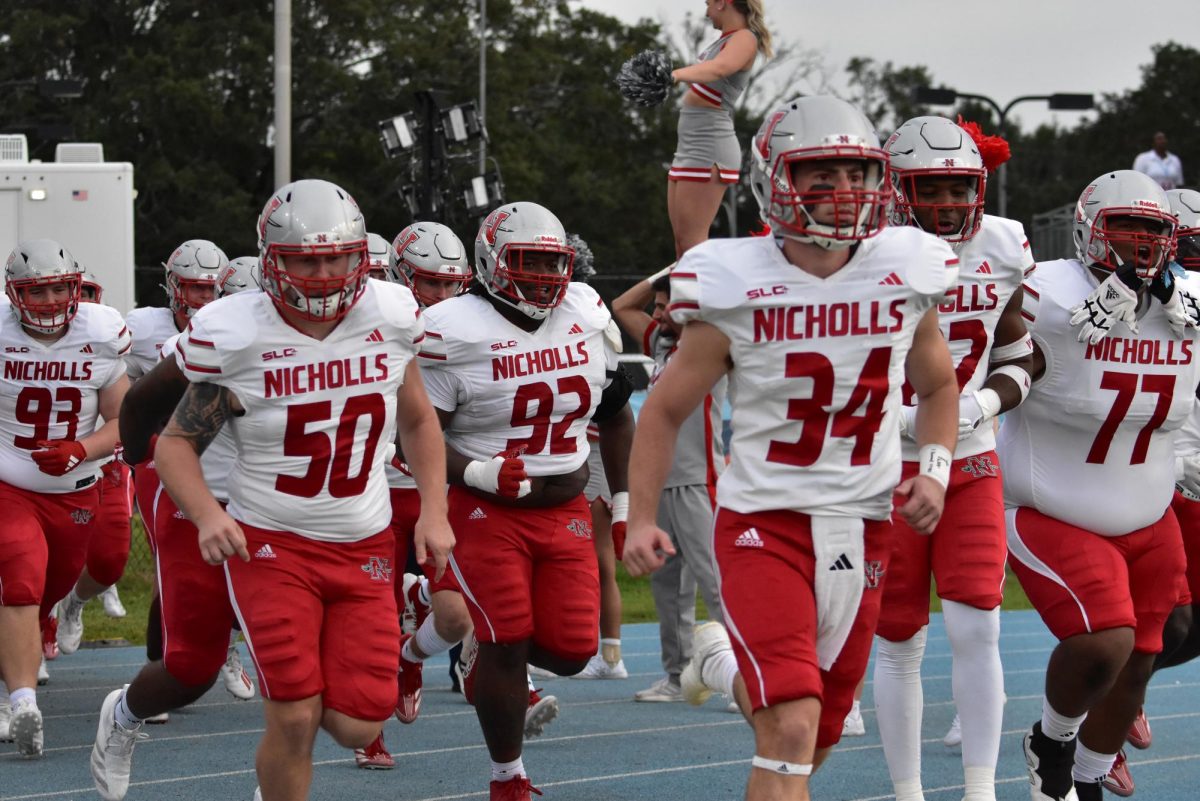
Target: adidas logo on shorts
x=265 y=552
x=843 y=563
x=478 y=514
x=749 y=539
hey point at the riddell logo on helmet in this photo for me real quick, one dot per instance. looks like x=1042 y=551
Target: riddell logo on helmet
x=1148 y=204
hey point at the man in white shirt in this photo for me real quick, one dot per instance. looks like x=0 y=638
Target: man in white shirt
x=1161 y=165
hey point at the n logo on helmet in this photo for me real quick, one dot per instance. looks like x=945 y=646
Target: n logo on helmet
x=492 y=225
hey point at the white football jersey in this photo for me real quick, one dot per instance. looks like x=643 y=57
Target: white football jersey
x=218 y=458
x=1187 y=439
x=1093 y=443
x=992 y=265
x=150 y=327
x=818 y=365
x=319 y=418
x=51 y=391
x=514 y=391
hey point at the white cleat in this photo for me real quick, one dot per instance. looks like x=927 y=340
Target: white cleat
x=43 y=674
x=70 y=624
x=112 y=753
x=709 y=638
x=5 y=719
x=597 y=668
x=234 y=676
x=112 y=602
x=541 y=710
x=853 y=725
x=257 y=794
x=953 y=738
x=158 y=720
x=25 y=728
x=663 y=691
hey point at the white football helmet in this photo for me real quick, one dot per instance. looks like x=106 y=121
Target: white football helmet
x=90 y=289
x=1186 y=205
x=1123 y=193
x=433 y=252
x=506 y=238
x=197 y=262
x=312 y=217
x=807 y=129
x=37 y=263
x=240 y=274
x=934 y=147
x=379 y=257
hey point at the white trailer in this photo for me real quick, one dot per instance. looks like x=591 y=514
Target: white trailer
x=79 y=200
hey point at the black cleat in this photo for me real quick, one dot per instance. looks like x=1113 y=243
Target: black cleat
x=1050 y=763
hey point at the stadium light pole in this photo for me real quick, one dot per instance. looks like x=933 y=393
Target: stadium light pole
x=941 y=96
x=283 y=92
x=483 y=36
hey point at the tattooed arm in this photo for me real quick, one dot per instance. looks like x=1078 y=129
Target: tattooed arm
x=197 y=420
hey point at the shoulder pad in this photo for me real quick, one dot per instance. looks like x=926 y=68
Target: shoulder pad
x=106 y=328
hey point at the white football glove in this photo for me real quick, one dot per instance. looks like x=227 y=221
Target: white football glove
x=1181 y=307
x=1187 y=476
x=908 y=422
x=976 y=408
x=1110 y=303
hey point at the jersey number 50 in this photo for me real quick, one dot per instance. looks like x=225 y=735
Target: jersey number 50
x=817 y=420
x=330 y=460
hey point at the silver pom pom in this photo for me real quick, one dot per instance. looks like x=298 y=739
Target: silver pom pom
x=646 y=79
x=585 y=260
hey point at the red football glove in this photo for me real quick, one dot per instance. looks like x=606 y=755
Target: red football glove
x=60 y=457
x=500 y=475
x=620 y=513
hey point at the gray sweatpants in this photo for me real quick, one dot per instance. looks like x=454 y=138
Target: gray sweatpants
x=686 y=514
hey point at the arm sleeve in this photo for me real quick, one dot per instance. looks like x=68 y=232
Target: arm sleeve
x=616 y=395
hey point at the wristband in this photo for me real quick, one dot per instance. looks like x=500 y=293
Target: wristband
x=620 y=507
x=935 y=463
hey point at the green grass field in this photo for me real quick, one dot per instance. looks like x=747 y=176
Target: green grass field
x=136 y=589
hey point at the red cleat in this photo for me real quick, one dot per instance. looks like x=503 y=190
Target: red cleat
x=517 y=789
x=1119 y=780
x=1139 y=735
x=408 y=683
x=375 y=756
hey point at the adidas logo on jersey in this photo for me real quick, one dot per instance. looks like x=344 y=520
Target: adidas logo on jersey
x=843 y=563
x=984 y=268
x=575 y=329
x=749 y=539
x=375 y=336
x=478 y=514
x=891 y=280
x=86 y=349
x=265 y=552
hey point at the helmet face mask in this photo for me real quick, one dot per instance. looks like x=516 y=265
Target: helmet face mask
x=1124 y=217
x=43 y=282
x=428 y=255
x=523 y=259
x=831 y=215
x=191 y=275
x=302 y=224
x=938 y=177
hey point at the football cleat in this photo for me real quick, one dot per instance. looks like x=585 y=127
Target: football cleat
x=663 y=691
x=517 y=789
x=1119 y=780
x=70 y=624
x=1049 y=763
x=953 y=737
x=853 y=725
x=25 y=728
x=5 y=719
x=112 y=753
x=375 y=756
x=709 y=638
x=234 y=676
x=1139 y=735
x=50 y=638
x=540 y=712
x=43 y=677
x=597 y=668
x=112 y=602
x=408 y=683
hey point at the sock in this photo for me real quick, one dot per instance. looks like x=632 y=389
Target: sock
x=899 y=702
x=1059 y=727
x=125 y=718
x=428 y=640
x=506 y=771
x=610 y=650
x=978 y=685
x=719 y=671
x=21 y=693
x=1090 y=766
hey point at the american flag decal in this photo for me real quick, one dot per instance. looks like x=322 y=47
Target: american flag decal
x=79 y=194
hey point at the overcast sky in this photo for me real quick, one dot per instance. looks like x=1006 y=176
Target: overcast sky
x=1002 y=49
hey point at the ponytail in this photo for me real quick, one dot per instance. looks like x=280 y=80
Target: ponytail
x=753 y=11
